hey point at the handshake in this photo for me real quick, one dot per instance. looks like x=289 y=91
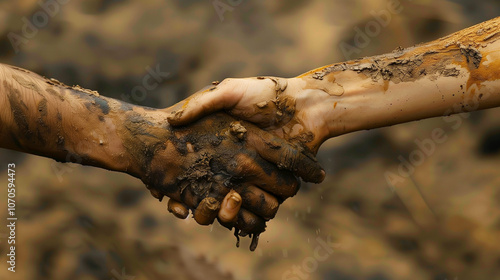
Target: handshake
x=237 y=166
x=235 y=150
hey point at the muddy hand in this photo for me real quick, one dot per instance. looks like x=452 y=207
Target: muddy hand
x=221 y=164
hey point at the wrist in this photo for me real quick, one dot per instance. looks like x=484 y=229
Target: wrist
x=143 y=132
x=345 y=98
x=312 y=106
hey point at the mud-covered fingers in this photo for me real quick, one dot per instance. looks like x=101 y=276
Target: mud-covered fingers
x=230 y=200
x=204 y=209
x=156 y=193
x=286 y=155
x=205 y=198
x=280 y=183
x=179 y=209
x=207 y=211
x=259 y=202
x=254 y=170
x=249 y=223
x=230 y=207
x=204 y=102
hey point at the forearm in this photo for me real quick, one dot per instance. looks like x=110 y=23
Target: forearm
x=68 y=124
x=455 y=74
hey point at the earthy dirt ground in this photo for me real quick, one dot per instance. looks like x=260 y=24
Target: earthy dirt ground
x=85 y=223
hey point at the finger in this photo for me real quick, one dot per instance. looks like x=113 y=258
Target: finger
x=249 y=223
x=254 y=170
x=230 y=207
x=259 y=202
x=189 y=198
x=204 y=102
x=178 y=209
x=207 y=210
x=286 y=156
x=156 y=194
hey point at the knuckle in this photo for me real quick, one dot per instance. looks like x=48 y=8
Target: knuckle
x=234 y=167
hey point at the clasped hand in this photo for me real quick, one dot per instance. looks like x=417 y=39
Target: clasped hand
x=218 y=163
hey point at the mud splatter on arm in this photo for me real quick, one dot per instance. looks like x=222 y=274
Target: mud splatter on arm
x=458 y=73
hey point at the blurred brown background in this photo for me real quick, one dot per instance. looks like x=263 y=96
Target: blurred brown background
x=85 y=223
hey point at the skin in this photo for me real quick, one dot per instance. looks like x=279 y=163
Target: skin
x=455 y=74
x=217 y=167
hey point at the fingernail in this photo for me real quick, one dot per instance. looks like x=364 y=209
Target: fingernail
x=233 y=202
x=176 y=209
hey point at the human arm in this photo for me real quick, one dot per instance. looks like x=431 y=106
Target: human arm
x=454 y=74
x=43 y=117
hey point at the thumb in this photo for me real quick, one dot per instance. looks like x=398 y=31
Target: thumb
x=204 y=102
